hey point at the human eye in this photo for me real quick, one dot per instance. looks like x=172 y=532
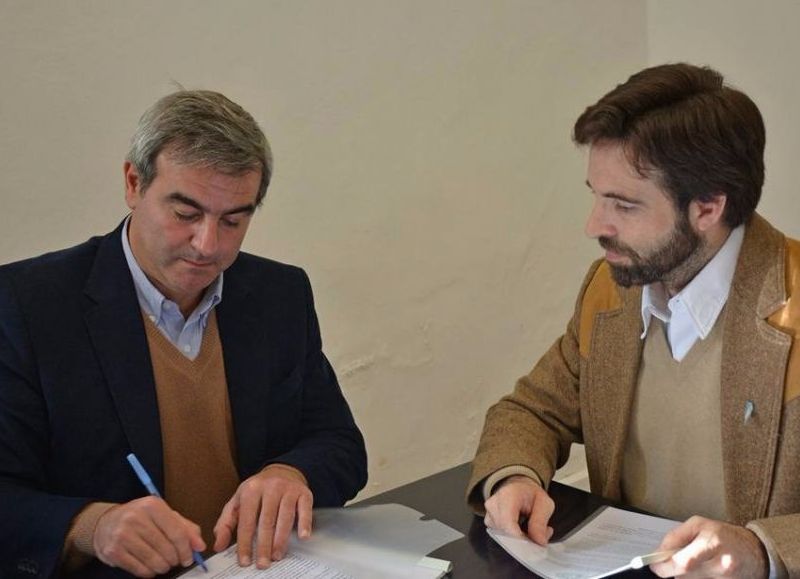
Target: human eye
x=624 y=206
x=186 y=215
x=231 y=222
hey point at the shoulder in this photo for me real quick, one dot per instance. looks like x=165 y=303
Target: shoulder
x=768 y=272
x=55 y=269
x=600 y=292
x=787 y=318
x=792 y=266
x=599 y=295
x=259 y=269
x=266 y=278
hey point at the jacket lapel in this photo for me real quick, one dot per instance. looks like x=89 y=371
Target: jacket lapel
x=613 y=370
x=754 y=359
x=116 y=329
x=243 y=332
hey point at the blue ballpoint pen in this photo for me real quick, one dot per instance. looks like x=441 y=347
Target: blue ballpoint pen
x=145 y=479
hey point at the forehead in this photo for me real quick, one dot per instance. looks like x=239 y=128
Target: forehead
x=205 y=184
x=611 y=172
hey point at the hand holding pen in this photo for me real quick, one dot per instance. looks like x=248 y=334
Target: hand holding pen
x=145 y=479
x=146 y=537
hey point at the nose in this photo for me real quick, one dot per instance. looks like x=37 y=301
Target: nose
x=597 y=224
x=206 y=237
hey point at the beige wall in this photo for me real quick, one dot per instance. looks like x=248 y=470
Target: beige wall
x=756 y=47
x=424 y=172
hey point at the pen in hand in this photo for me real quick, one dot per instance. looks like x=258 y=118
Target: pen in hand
x=651 y=558
x=145 y=479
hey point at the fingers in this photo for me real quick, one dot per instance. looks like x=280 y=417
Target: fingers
x=283 y=526
x=228 y=519
x=683 y=534
x=249 y=507
x=305 y=505
x=263 y=513
x=520 y=497
x=185 y=540
x=145 y=537
x=542 y=510
x=712 y=549
x=266 y=529
x=503 y=513
x=134 y=555
x=145 y=555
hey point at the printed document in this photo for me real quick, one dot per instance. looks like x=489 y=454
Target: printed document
x=387 y=541
x=606 y=542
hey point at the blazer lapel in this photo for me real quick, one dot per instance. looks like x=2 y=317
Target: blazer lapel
x=243 y=333
x=754 y=358
x=115 y=325
x=613 y=369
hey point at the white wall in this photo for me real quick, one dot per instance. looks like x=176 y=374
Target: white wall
x=756 y=46
x=424 y=172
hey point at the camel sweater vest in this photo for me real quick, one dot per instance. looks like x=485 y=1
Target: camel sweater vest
x=673 y=456
x=197 y=436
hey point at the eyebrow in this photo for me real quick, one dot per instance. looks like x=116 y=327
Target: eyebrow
x=178 y=197
x=613 y=195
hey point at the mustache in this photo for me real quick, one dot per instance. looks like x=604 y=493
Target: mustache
x=611 y=244
x=198 y=259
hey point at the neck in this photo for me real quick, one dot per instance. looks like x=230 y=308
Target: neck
x=187 y=304
x=680 y=276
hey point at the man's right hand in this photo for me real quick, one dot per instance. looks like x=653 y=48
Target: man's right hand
x=145 y=537
x=518 y=498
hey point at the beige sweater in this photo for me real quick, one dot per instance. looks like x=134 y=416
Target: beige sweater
x=673 y=453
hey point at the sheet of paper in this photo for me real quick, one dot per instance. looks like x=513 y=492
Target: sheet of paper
x=607 y=541
x=385 y=541
x=225 y=565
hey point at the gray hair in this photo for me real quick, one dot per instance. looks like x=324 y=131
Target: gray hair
x=200 y=128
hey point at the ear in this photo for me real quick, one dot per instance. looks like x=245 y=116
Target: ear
x=132 y=189
x=706 y=215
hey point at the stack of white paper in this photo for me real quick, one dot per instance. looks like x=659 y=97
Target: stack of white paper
x=385 y=541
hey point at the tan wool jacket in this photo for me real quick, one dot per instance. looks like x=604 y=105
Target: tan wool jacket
x=582 y=390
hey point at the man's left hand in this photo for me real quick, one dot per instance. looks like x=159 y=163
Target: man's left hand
x=712 y=549
x=265 y=507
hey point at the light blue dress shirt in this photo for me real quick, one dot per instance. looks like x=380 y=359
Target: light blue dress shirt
x=185 y=334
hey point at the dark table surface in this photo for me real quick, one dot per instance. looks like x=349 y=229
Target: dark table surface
x=441 y=496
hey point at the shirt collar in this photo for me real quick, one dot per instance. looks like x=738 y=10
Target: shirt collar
x=704 y=296
x=153 y=301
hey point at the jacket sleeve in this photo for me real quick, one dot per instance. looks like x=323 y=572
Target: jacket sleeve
x=330 y=450
x=535 y=425
x=35 y=522
x=781 y=537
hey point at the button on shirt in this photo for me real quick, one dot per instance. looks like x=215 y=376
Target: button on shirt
x=185 y=335
x=691 y=313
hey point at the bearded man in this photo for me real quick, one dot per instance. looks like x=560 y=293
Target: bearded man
x=680 y=368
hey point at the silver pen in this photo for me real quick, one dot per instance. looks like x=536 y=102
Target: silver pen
x=650 y=558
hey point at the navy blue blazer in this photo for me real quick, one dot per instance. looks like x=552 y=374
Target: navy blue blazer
x=77 y=393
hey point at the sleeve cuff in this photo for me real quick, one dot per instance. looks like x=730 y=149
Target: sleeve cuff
x=79 y=542
x=498 y=476
x=777 y=570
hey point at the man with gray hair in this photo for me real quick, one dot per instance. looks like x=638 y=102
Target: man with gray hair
x=125 y=344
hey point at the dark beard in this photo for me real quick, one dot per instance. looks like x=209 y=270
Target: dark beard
x=673 y=259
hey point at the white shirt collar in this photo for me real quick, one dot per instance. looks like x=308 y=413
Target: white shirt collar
x=153 y=302
x=691 y=313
